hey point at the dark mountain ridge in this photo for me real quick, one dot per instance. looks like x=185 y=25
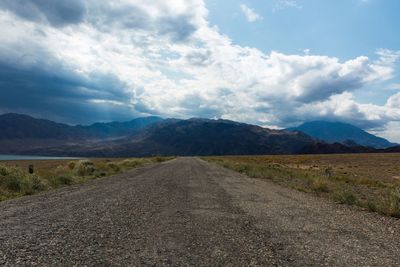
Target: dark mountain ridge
x=335 y=148
x=17 y=126
x=222 y=137
x=22 y=133
x=119 y=129
x=195 y=137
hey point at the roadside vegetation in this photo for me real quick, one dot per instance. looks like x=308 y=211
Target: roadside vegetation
x=16 y=181
x=370 y=181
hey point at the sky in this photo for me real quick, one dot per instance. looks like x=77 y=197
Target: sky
x=274 y=63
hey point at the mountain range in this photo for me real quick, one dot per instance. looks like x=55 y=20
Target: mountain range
x=17 y=126
x=22 y=133
x=148 y=136
x=339 y=132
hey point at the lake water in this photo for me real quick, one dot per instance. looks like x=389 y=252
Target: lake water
x=18 y=157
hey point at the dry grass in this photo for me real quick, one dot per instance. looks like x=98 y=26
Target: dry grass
x=15 y=181
x=370 y=181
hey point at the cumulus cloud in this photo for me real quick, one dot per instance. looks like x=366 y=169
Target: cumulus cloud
x=250 y=13
x=122 y=59
x=344 y=107
x=284 y=4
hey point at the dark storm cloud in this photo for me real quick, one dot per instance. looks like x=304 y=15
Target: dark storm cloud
x=58 y=13
x=34 y=80
x=320 y=89
x=63 y=96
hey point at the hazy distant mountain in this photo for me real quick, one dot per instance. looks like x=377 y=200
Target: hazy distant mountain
x=339 y=132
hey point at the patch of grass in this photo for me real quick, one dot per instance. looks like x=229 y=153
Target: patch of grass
x=65 y=179
x=16 y=181
x=114 y=167
x=394 y=204
x=371 y=181
x=320 y=185
x=344 y=196
x=159 y=159
x=133 y=163
x=371 y=206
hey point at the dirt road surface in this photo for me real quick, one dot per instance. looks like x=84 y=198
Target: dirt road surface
x=189 y=212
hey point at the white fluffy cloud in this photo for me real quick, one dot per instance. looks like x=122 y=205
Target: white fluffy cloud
x=250 y=13
x=283 y=4
x=163 y=57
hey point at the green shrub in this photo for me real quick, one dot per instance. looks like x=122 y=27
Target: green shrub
x=343 y=196
x=320 y=185
x=101 y=174
x=64 y=180
x=372 y=206
x=114 y=167
x=3 y=171
x=14 y=184
x=33 y=185
x=38 y=184
x=159 y=159
x=243 y=168
x=85 y=168
x=395 y=203
x=15 y=180
x=131 y=163
x=71 y=165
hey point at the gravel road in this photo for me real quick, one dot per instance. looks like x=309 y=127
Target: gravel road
x=189 y=212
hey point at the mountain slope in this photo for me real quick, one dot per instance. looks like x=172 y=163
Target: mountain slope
x=17 y=126
x=19 y=133
x=339 y=132
x=196 y=137
x=335 y=148
x=222 y=137
x=119 y=129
